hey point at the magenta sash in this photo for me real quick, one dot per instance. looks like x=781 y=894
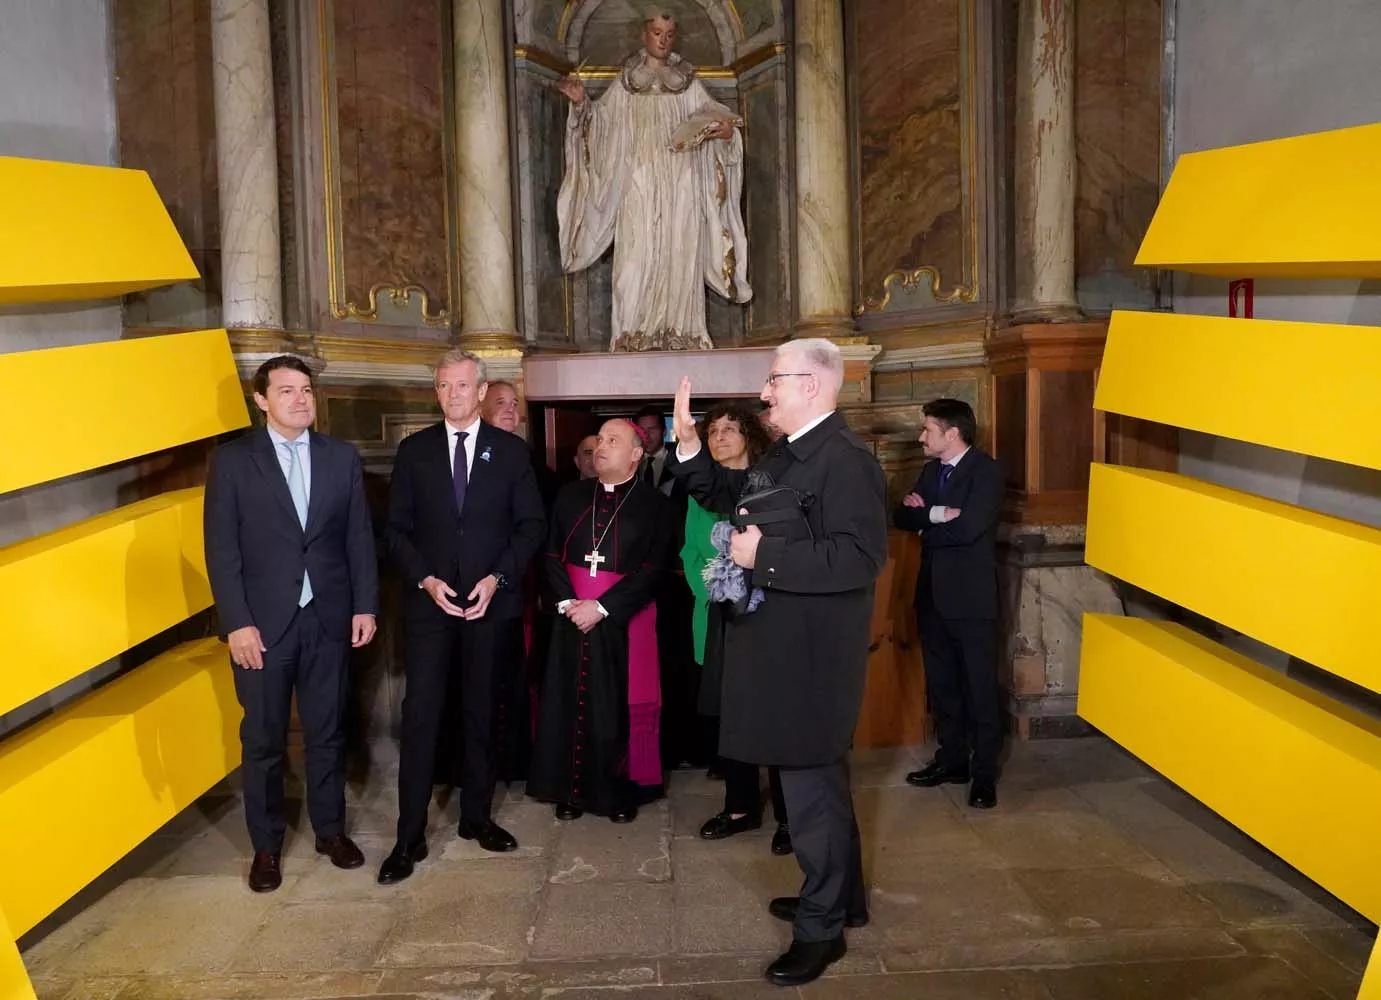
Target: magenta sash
x=644 y=677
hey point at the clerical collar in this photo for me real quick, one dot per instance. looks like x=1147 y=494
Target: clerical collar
x=611 y=487
x=793 y=438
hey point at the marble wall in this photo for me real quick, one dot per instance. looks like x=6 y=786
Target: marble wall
x=167 y=126
x=544 y=303
x=767 y=202
x=909 y=64
x=1118 y=146
x=390 y=128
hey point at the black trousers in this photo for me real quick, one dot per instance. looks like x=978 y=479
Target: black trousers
x=315 y=665
x=824 y=834
x=963 y=691
x=743 y=791
x=442 y=652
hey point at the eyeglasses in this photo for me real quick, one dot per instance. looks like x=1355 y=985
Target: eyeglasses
x=773 y=376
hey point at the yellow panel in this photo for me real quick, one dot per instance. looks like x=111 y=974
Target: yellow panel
x=1303 y=207
x=138 y=396
x=1294 y=579
x=1371 y=980
x=81 y=789
x=82 y=232
x=1295 y=770
x=133 y=572
x=14 y=978
x=1241 y=379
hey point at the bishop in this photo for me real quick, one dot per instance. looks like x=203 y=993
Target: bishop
x=609 y=547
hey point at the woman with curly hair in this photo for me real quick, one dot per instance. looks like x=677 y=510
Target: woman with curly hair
x=736 y=440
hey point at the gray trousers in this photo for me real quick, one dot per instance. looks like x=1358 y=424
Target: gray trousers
x=824 y=835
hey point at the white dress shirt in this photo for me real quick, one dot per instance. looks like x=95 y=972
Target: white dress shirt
x=471 y=433
x=938 y=514
x=304 y=457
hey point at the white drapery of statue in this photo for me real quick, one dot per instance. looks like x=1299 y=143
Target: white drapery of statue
x=673 y=217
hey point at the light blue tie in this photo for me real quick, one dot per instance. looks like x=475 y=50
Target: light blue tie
x=297 y=486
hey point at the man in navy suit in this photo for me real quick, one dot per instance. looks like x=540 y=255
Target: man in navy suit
x=955 y=505
x=464 y=520
x=290 y=554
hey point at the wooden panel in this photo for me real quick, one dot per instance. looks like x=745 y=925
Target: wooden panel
x=1302 y=207
x=102 y=774
x=1240 y=378
x=79 y=232
x=1066 y=443
x=1293 y=769
x=132 y=572
x=894 y=703
x=1009 y=444
x=188 y=390
x=1297 y=580
x=1142 y=443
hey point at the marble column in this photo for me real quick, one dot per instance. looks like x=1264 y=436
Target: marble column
x=823 y=275
x=246 y=165
x=488 y=297
x=1045 y=162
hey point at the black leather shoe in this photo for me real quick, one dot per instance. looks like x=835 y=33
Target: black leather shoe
x=784 y=908
x=936 y=773
x=624 y=815
x=488 y=835
x=722 y=825
x=983 y=794
x=342 y=850
x=399 y=864
x=265 y=872
x=566 y=811
x=781 y=840
x=804 y=961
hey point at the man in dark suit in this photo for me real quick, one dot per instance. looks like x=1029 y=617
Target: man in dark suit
x=794 y=667
x=290 y=554
x=464 y=521
x=955 y=505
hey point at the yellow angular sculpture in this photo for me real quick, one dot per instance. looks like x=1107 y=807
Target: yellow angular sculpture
x=1293 y=768
x=1302 y=207
x=146 y=745
x=79 y=232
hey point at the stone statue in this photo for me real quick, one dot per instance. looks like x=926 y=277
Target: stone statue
x=655 y=166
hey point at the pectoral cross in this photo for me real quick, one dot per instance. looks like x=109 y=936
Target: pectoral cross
x=594 y=559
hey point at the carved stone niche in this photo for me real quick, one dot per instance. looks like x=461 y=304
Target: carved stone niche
x=1045 y=431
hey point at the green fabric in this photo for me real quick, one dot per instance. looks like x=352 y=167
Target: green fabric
x=695 y=556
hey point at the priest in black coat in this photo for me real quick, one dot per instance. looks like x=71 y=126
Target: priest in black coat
x=794 y=668
x=609 y=549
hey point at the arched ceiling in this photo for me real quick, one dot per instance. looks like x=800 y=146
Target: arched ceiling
x=733 y=21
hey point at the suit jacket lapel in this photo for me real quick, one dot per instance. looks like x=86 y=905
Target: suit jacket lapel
x=321 y=478
x=272 y=471
x=479 y=469
x=961 y=472
x=438 y=459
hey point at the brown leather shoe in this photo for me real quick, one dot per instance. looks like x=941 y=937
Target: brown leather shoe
x=266 y=872
x=343 y=852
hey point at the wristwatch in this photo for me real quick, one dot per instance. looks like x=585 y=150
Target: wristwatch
x=501 y=581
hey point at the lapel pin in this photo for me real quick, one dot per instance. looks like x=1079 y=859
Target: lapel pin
x=484 y=455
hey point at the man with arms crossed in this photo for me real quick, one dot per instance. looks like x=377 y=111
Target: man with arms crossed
x=290 y=554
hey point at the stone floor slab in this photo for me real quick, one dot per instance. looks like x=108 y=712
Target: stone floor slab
x=915 y=904
x=604 y=919
x=593 y=849
x=180 y=926
x=528 y=977
x=1005 y=985
x=1094 y=899
x=1245 y=978
x=321 y=936
x=1055 y=840
x=721 y=895
x=1295 y=950
x=1088 y=948
x=710 y=969
x=462 y=914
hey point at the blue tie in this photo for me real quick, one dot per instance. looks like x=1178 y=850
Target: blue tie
x=459 y=474
x=297 y=486
x=945 y=471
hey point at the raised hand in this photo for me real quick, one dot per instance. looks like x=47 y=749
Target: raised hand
x=682 y=423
